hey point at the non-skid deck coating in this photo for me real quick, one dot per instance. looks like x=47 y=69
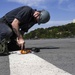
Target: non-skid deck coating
x=60 y=61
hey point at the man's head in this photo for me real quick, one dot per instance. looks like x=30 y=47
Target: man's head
x=42 y=16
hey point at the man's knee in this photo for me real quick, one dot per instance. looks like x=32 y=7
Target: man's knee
x=9 y=32
x=6 y=34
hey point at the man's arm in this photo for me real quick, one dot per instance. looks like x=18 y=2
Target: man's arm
x=15 y=26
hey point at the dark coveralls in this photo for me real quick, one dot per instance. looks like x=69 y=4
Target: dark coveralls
x=25 y=15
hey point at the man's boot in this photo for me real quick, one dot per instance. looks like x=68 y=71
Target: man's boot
x=3 y=47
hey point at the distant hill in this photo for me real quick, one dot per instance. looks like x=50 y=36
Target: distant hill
x=63 y=31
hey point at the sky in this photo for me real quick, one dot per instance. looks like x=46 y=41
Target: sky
x=61 y=11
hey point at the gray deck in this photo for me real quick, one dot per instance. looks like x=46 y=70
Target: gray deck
x=60 y=61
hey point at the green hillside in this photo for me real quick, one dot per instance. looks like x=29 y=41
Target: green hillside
x=63 y=31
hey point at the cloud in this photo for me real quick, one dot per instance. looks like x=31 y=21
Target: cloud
x=29 y=2
x=56 y=23
x=67 y=5
x=62 y=1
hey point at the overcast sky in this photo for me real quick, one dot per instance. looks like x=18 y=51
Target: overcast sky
x=61 y=11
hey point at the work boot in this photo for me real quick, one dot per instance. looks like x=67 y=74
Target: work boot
x=3 y=47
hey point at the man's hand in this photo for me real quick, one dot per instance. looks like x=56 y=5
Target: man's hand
x=20 y=42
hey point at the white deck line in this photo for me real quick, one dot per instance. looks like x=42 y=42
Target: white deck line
x=30 y=64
